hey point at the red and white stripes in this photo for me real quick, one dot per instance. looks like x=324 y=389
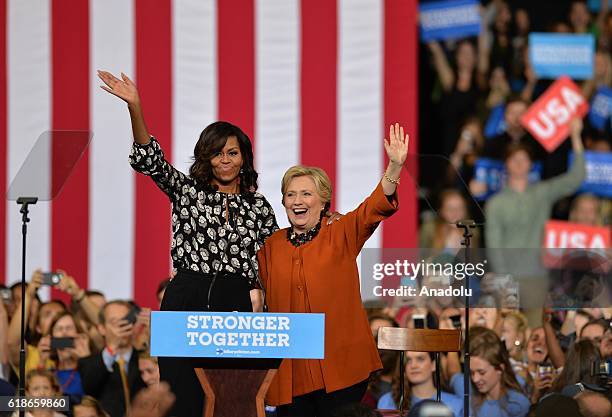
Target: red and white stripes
x=313 y=82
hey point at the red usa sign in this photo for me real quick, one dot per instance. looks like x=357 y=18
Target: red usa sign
x=562 y=241
x=559 y=234
x=549 y=117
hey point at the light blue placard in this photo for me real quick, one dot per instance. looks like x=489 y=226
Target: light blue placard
x=598 y=173
x=601 y=108
x=451 y=19
x=237 y=335
x=595 y=5
x=493 y=173
x=496 y=124
x=556 y=54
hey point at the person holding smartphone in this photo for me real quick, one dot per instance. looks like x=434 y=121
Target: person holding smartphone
x=68 y=344
x=112 y=375
x=38 y=347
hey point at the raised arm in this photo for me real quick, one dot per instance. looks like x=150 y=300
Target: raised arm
x=126 y=90
x=147 y=156
x=362 y=222
x=69 y=285
x=443 y=68
x=397 y=151
x=14 y=331
x=555 y=353
x=566 y=184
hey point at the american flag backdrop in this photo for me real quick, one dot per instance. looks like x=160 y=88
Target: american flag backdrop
x=310 y=81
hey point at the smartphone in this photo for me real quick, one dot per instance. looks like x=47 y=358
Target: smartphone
x=419 y=321
x=132 y=316
x=456 y=320
x=545 y=369
x=62 y=342
x=51 y=278
x=7 y=295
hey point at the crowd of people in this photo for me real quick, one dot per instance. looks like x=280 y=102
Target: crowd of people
x=553 y=362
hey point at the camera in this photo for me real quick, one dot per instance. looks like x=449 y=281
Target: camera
x=7 y=295
x=51 y=278
x=602 y=369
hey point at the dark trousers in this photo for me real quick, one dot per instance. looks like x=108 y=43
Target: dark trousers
x=322 y=404
x=188 y=291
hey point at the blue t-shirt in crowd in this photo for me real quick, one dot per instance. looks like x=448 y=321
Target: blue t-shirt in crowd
x=70 y=381
x=513 y=404
x=451 y=401
x=6 y=389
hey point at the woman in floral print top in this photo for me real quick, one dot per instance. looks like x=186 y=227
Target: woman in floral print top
x=219 y=222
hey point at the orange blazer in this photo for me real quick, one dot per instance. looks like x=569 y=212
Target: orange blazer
x=329 y=268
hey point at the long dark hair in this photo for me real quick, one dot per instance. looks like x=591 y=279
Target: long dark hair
x=578 y=365
x=395 y=384
x=212 y=140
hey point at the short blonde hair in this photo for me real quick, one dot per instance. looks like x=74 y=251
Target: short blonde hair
x=320 y=178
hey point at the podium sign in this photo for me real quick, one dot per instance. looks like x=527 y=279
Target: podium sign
x=237 y=335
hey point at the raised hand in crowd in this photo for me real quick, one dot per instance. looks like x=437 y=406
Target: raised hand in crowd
x=14 y=332
x=116 y=332
x=79 y=296
x=541 y=384
x=142 y=329
x=81 y=346
x=44 y=348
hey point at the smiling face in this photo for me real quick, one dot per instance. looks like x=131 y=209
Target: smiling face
x=536 y=346
x=302 y=203
x=226 y=164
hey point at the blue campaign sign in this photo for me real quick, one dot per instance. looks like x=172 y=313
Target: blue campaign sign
x=556 y=54
x=598 y=173
x=450 y=19
x=595 y=5
x=493 y=173
x=601 y=108
x=237 y=335
x=496 y=124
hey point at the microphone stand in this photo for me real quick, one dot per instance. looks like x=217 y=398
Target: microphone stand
x=25 y=202
x=466 y=226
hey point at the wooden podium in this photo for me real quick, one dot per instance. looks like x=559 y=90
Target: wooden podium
x=235 y=392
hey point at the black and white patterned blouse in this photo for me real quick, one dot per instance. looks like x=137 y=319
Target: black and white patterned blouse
x=203 y=238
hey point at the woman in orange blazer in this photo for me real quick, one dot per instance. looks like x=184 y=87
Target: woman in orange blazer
x=311 y=267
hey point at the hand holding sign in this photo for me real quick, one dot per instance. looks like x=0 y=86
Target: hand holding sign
x=548 y=119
